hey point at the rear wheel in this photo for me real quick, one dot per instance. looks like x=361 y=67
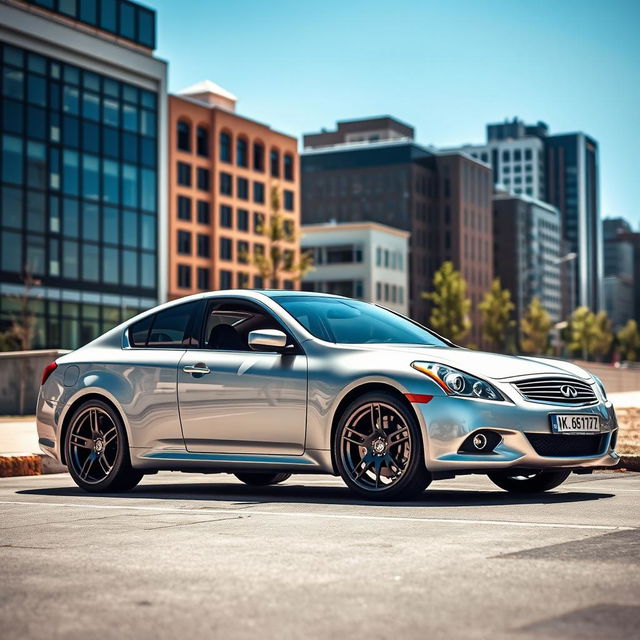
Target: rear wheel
x=378 y=449
x=262 y=479
x=528 y=482
x=97 y=451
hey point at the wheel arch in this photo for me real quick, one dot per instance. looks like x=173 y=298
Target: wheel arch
x=77 y=402
x=352 y=394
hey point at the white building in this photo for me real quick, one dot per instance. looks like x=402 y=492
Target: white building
x=518 y=164
x=363 y=260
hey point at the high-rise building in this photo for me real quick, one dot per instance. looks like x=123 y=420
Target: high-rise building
x=563 y=171
x=572 y=186
x=442 y=199
x=223 y=170
x=527 y=248
x=83 y=157
x=363 y=260
x=618 y=282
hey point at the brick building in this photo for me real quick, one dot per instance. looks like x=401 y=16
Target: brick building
x=222 y=169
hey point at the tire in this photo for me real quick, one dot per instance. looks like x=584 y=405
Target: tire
x=378 y=450
x=262 y=479
x=97 y=450
x=535 y=482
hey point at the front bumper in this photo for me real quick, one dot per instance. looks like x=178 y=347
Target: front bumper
x=447 y=422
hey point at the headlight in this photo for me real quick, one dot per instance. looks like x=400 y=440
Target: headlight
x=458 y=383
x=600 y=385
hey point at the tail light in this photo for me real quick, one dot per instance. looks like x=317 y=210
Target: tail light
x=47 y=371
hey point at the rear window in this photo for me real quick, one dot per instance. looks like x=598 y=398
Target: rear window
x=167 y=329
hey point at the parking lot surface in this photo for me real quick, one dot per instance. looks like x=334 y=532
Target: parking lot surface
x=205 y=556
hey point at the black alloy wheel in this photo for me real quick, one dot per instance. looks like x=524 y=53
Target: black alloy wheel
x=97 y=452
x=378 y=449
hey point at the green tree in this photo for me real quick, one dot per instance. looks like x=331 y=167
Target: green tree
x=450 y=312
x=582 y=332
x=535 y=326
x=495 y=312
x=276 y=261
x=603 y=335
x=629 y=341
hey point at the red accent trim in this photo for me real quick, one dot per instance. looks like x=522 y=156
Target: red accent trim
x=418 y=397
x=48 y=370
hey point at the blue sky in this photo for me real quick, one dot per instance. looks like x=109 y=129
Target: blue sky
x=447 y=68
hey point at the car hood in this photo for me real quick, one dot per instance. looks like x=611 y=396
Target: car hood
x=484 y=364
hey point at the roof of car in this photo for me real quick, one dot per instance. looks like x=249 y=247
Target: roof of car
x=278 y=293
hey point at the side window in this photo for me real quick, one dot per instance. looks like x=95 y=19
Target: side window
x=139 y=332
x=167 y=329
x=228 y=324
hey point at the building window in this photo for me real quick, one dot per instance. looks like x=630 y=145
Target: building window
x=226 y=216
x=258 y=156
x=258 y=192
x=378 y=291
x=527 y=154
x=288 y=200
x=258 y=223
x=225 y=147
x=242 y=220
x=204 y=246
x=184 y=174
x=288 y=166
x=226 y=279
x=243 y=280
x=202 y=142
x=184 y=243
x=243 y=188
x=258 y=282
x=274 y=162
x=517 y=155
x=203 y=279
x=184 y=208
x=184 y=276
x=226 y=249
x=506 y=156
x=204 y=215
x=184 y=136
x=203 y=179
x=242 y=152
x=243 y=252
x=226 y=184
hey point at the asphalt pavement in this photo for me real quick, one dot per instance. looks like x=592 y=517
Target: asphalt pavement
x=208 y=557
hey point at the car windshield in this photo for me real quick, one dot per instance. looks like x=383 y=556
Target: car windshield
x=346 y=321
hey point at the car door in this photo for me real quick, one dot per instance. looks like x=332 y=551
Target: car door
x=235 y=400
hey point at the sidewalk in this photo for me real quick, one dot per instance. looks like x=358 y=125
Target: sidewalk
x=20 y=454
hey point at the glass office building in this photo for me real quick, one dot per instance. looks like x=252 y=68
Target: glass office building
x=80 y=205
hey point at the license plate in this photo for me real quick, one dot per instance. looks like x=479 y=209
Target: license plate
x=572 y=423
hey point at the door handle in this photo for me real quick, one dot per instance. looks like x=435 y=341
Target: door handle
x=197 y=368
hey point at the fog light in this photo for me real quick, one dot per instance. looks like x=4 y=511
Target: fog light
x=480 y=441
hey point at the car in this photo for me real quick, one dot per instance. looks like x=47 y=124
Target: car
x=265 y=384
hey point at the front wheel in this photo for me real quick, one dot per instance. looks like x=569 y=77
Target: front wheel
x=262 y=479
x=97 y=451
x=532 y=482
x=378 y=449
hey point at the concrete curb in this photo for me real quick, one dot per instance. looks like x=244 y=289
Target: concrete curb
x=29 y=465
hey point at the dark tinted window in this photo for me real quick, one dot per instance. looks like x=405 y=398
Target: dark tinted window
x=166 y=329
x=228 y=324
x=345 y=321
x=139 y=332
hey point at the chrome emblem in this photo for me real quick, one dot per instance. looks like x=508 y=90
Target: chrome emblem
x=568 y=391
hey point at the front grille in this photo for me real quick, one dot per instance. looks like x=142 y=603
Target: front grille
x=557 y=390
x=565 y=445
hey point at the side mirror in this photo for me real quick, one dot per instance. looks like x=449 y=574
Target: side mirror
x=267 y=340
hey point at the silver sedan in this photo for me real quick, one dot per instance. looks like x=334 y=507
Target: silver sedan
x=263 y=384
